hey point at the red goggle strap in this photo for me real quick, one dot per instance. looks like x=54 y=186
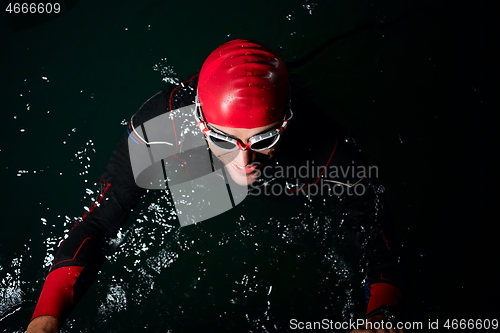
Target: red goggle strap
x=283 y=126
x=203 y=128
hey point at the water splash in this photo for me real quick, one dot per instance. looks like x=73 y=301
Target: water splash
x=309 y=6
x=10 y=289
x=166 y=71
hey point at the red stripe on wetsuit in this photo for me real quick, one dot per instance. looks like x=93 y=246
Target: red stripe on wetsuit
x=57 y=296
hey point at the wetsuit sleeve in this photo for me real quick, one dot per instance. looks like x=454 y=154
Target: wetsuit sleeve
x=82 y=253
x=365 y=216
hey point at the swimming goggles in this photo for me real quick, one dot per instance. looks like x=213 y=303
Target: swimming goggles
x=226 y=142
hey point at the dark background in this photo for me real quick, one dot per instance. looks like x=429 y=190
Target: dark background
x=413 y=82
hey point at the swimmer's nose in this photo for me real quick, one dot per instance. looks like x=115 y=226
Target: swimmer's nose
x=244 y=158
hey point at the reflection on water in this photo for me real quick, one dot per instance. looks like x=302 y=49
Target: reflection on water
x=254 y=267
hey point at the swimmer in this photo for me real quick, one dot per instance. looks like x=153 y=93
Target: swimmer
x=243 y=108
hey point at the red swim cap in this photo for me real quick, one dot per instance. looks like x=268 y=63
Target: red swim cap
x=243 y=84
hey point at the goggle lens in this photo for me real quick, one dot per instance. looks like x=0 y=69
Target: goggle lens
x=223 y=144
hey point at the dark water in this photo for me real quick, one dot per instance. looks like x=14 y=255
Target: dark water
x=413 y=83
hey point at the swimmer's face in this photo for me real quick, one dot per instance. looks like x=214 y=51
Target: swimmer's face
x=243 y=165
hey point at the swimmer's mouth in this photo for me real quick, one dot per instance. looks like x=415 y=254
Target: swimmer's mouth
x=244 y=170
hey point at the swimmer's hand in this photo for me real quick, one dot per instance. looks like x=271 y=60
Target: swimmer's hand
x=44 y=324
x=379 y=317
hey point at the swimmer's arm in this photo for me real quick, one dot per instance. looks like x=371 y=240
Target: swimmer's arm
x=385 y=273
x=81 y=255
x=44 y=324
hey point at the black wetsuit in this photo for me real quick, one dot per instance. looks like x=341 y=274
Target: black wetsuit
x=307 y=141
